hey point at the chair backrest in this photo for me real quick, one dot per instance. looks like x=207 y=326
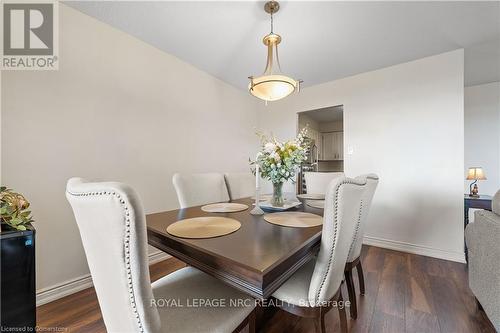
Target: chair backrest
x=240 y=185
x=113 y=231
x=200 y=189
x=342 y=205
x=366 y=202
x=317 y=182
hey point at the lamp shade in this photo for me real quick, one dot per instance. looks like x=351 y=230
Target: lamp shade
x=272 y=87
x=476 y=173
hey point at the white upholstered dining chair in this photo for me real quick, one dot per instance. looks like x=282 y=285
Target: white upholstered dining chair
x=200 y=189
x=315 y=287
x=353 y=260
x=240 y=184
x=317 y=182
x=113 y=231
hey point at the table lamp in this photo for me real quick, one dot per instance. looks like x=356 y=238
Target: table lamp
x=475 y=174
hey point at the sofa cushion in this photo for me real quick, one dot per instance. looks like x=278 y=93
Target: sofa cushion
x=495 y=203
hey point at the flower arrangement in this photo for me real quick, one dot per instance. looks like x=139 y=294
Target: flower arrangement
x=14 y=209
x=278 y=161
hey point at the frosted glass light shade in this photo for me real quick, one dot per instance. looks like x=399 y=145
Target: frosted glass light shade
x=272 y=87
x=476 y=173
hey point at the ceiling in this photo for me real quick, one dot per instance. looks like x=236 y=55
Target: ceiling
x=322 y=41
x=326 y=115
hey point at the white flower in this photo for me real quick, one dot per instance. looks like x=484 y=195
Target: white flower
x=269 y=147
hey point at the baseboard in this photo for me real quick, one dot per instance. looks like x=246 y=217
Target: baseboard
x=415 y=249
x=47 y=295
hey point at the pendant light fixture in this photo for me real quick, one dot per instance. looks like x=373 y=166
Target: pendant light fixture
x=272 y=85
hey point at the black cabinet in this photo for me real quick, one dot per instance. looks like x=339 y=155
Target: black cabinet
x=17 y=279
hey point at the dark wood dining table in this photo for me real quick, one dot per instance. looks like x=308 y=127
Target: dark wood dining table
x=256 y=259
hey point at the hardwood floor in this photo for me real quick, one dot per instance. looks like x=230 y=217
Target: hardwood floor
x=404 y=293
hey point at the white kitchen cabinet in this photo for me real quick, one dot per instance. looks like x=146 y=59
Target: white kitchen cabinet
x=332 y=144
x=327 y=143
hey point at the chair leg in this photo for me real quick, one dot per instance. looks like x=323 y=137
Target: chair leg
x=342 y=315
x=323 y=328
x=352 y=294
x=319 y=323
x=361 y=278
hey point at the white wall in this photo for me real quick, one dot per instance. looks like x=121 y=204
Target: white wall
x=406 y=124
x=117 y=109
x=1 y=135
x=305 y=120
x=482 y=134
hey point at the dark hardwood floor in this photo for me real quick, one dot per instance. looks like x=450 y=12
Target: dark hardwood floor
x=404 y=293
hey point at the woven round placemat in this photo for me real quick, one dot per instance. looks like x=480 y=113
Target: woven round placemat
x=203 y=227
x=294 y=219
x=224 y=207
x=316 y=203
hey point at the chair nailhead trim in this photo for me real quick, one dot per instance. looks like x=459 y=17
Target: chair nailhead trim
x=356 y=232
x=335 y=224
x=126 y=248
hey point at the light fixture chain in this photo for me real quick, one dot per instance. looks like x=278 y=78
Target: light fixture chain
x=271 y=22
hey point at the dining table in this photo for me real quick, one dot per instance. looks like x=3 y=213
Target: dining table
x=256 y=259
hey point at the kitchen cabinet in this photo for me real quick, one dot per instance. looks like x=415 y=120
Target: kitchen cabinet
x=332 y=146
x=327 y=146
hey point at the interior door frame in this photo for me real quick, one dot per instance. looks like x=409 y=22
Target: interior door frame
x=298 y=185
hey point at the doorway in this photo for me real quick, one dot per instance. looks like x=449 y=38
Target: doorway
x=325 y=138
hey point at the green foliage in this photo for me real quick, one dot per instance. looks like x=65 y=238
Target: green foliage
x=278 y=161
x=14 y=209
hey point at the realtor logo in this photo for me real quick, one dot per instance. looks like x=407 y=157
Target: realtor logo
x=29 y=36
